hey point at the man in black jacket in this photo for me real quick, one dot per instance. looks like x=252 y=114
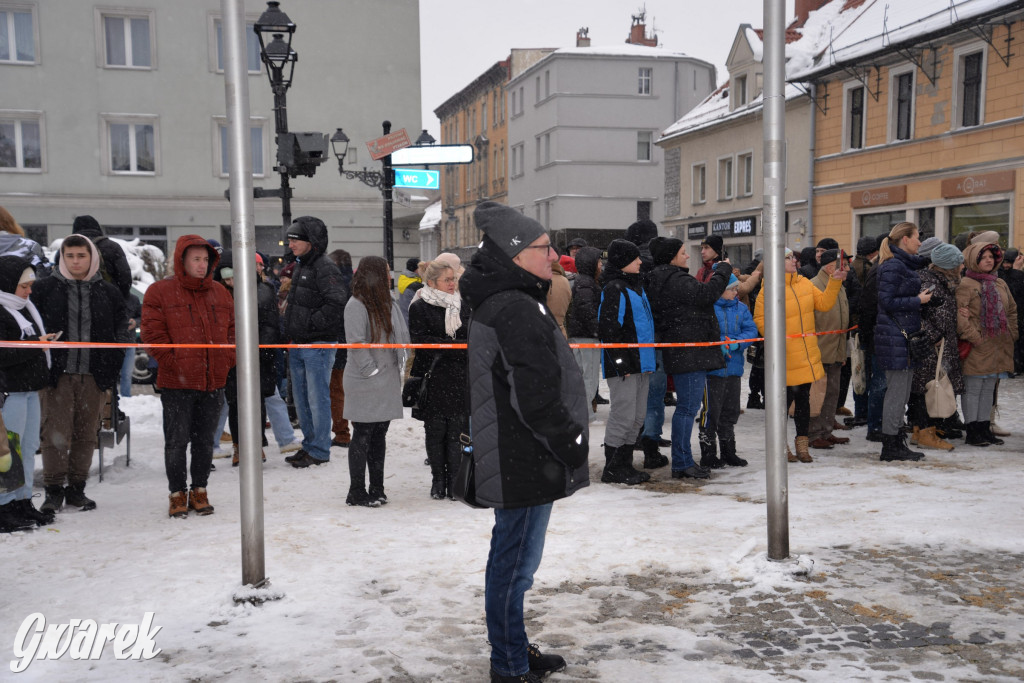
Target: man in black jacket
x=529 y=417
x=115 y=269
x=77 y=302
x=581 y=318
x=316 y=306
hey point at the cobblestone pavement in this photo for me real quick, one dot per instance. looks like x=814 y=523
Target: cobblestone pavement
x=894 y=614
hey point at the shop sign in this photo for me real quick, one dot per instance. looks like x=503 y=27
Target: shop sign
x=979 y=183
x=696 y=231
x=879 y=196
x=744 y=227
x=721 y=228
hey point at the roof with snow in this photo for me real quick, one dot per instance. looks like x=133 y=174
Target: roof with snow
x=626 y=50
x=431 y=216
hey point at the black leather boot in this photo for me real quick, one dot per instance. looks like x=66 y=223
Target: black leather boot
x=74 y=495
x=709 y=452
x=728 y=451
x=652 y=458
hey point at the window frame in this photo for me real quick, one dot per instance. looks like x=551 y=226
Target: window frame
x=848 y=88
x=739 y=91
x=106 y=120
x=745 y=157
x=518 y=160
x=100 y=13
x=650 y=146
x=730 y=192
x=645 y=79
x=19 y=116
x=260 y=122
x=894 y=105
x=701 y=169
x=215 y=18
x=959 y=89
x=33 y=9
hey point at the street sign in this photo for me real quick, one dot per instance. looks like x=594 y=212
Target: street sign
x=383 y=146
x=433 y=155
x=426 y=180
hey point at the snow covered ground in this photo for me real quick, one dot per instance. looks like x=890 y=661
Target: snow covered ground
x=395 y=593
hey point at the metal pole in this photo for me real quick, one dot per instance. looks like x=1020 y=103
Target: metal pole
x=280 y=128
x=236 y=90
x=774 y=284
x=388 y=185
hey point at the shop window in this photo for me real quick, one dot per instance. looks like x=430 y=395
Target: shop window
x=875 y=224
x=981 y=217
x=926 y=222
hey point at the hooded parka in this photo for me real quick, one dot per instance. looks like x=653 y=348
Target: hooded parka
x=988 y=355
x=684 y=311
x=317 y=298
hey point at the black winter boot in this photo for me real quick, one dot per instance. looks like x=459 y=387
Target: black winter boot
x=986 y=432
x=543 y=664
x=755 y=402
x=893 y=450
x=709 y=452
x=615 y=471
x=626 y=460
x=54 y=500
x=728 y=450
x=652 y=458
x=28 y=511
x=74 y=495
x=915 y=455
x=437 y=482
x=528 y=677
x=974 y=436
x=12 y=520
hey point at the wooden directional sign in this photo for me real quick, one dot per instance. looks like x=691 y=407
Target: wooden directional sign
x=433 y=155
x=392 y=142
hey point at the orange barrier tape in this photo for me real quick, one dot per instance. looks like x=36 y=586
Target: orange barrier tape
x=114 y=345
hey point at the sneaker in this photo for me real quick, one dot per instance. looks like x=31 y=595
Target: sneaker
x=378 y=496
x=528 y=677
x=198 y=502
x=542 y=664
x=306 y=460
x=291 y=447
x=179 y=504
x=361 y=499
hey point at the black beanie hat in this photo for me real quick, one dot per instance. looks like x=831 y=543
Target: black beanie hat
x=866 y=245
x=642 y=232
x=827 y=243
x=828 y=256
x=715 y=242
x=621 y=253
x=86 y=225
x=412 y=264
x=508 y=228
x=664 y=249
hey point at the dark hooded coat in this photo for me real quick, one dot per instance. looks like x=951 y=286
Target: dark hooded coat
x=684 y=311
x=115 y=263
x=21 y=369
x=899 y=308
x=317 y=298
x=581 y=319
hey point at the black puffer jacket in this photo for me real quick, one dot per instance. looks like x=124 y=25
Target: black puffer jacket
x=316 y=301
x=21 y=369
x=528 y=404
x=448 y=389
x=268 y=325
x=684 y=311
x=581 y=318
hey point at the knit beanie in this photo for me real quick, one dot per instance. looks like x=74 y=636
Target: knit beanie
x=642 y=232
x=928 y=246
x=987 y=237
x=947 y=256
x=827 y=243
x=733 y=282
x=715 y=242
x=621 y=253
x=828 y=256
x=664 y=249
x=507 y=228
x=867 y=245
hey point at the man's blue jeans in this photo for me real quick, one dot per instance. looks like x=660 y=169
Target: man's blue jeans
x=654 y=421
x=517 y=543
x=126 y=372
x=311 y=392
x=876 y=396
x=689 y=395
x=22 y=416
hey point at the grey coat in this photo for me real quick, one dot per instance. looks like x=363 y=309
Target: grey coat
x=373 y=377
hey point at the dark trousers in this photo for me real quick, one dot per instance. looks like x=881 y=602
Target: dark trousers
x=190 y=417
x=339 y=425
x=444 y=450
x=801 y=396
x=721 y=408
x=366 y=452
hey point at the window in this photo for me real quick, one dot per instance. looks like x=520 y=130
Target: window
x=483 y=116
x=21 y=141
x=255 y=144
x=131 y=145
x=644 y=81
x=699 y=174
x=969 y=86
x=127 y=40
x=643 y=211
x=855 y=123
x=739 y=97
x=252 y=47
x=17 y=34
x=901 y=105
x=514 y=111
x=875 y=224
x=746 y=179
x=517 y=160
x=520 y=99
x=643 y=145
x=537 y=83
x=981 y=217
x=547 y=84
x=725 y=178
x=495 y=109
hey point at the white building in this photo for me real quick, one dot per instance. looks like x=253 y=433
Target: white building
x=118 y=110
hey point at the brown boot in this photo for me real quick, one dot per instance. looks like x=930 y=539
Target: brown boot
x=837 y=440
x=821 y=443
x=234 y=455
x=789 y=455
x=802 y=454
x=197 y=501
x=179 y=504
x=927 y=438
x=914 y=435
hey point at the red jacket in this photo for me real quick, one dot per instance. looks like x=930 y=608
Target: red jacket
x=189 y=310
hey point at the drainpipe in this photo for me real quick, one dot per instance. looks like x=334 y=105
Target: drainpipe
x=810 y=169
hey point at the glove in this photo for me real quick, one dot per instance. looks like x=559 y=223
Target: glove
x=734 y=347
x=5 y=462
x=725 y=350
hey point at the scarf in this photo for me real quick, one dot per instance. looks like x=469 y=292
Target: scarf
x=993 y=315
x=14 y=305
x=452 y=303
x=707 y=269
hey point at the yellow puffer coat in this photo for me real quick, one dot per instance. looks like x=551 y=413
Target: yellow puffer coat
x=803 y=359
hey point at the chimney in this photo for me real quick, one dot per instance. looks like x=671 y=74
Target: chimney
x=804 y=8
x=583 y=37
x=638 y=32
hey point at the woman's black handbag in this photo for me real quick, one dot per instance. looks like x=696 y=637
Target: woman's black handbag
x=414 y=391
x=465 y=479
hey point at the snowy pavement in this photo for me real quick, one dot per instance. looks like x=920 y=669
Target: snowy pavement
x=902 y=572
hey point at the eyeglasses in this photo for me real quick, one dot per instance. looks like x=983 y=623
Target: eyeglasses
x=545 y=247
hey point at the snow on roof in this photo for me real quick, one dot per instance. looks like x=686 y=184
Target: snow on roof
x=431 y=216
x=715 y=110
x=880 y=24
x=624 y=50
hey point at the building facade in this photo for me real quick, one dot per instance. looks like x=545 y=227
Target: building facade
x=582 y=123
x=922 y=121
x=119 y=112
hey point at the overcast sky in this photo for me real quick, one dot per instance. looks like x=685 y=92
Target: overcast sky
x=460 y=39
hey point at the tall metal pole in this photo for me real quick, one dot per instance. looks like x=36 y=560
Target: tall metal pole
x=773 y=290
x=388 y=188
x=236 y=90
x=280 y=128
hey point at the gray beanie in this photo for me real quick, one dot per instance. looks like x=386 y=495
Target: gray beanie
x=947 y=256
x=927 y=246
x=507 y=228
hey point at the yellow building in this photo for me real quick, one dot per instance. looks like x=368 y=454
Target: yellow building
x=475 y=116
x=919 y=117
